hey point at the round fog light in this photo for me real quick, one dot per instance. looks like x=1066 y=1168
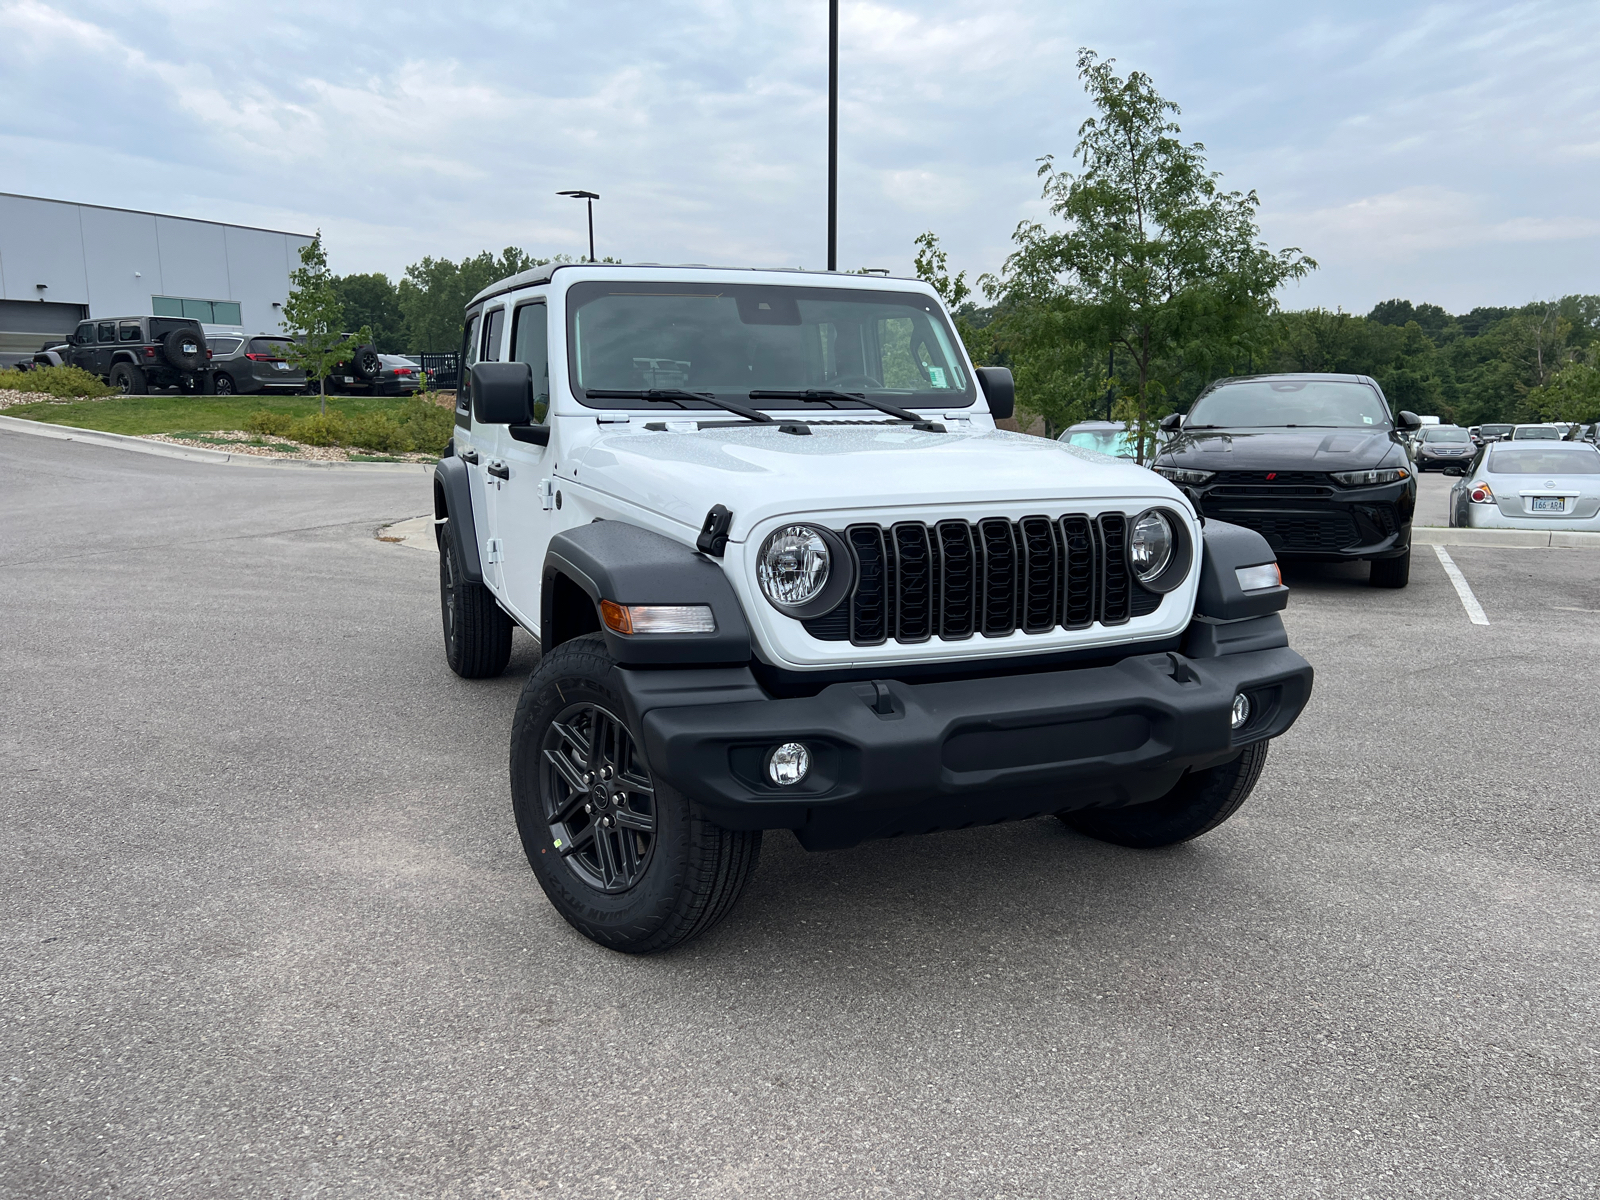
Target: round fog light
x=788 y=764
x=1241 y=710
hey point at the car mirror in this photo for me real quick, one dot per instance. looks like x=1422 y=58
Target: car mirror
x=1172 y=422
x=502 y=393
x=1409 y=421
x=1000 y=390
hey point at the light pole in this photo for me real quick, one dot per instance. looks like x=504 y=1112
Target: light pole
x=833 y=135
x=590 y=198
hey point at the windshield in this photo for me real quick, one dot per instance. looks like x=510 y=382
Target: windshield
x=1535 y=433
x=738 y=338
x=1445 y=434
x=1268 y=403
x=1556 y=460
x=1106 y=441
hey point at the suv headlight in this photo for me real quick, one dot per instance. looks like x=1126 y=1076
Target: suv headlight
x=1159 y=550
x=1184 y=475
x=1372 y=478
x=795 y=566
x=1150 y=547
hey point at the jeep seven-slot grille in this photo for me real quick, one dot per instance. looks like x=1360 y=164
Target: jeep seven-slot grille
x=957 y=579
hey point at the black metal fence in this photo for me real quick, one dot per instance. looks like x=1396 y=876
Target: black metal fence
x=446 y=368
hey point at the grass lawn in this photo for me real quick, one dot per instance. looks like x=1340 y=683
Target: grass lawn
x=179 y=413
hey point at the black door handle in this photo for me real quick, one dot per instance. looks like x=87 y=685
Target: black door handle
x=498 y=469
x=468 y=455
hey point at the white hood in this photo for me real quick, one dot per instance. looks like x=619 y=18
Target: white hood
x=761 y=473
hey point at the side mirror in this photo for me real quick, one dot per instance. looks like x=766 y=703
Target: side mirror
x=1172 y=422
x=502 y=393
x=1409 y=422
x=1000 y=390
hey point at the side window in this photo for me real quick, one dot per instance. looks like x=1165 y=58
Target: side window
x=85 y=334
x=108 y=331
x=530 y=343
x=491 y=336
x=469 y=356
x=130 y=331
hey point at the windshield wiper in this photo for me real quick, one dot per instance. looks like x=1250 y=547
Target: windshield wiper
x=829 y=395
x=678 y=396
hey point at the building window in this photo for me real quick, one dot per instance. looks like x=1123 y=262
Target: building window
x=207 y=312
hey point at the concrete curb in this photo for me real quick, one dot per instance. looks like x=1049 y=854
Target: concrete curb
x=121 y=441
x=415 y=532
x=1522 y=539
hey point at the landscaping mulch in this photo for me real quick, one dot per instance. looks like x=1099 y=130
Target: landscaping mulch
x=239 y=441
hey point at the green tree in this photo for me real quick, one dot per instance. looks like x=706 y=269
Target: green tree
x=314 y=319
x=1154 y=260
x=435 y=291
x=373 y=301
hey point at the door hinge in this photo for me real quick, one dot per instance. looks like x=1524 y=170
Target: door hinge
x=547 y=493
x=491 y=552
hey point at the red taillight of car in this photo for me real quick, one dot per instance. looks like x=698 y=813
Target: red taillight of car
x=1481 y=494
x=262 y=358
x=149 y=351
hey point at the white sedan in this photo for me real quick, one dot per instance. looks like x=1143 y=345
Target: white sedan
x=1530 y=485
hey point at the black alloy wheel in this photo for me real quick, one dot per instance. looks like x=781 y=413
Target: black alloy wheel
x=621 y=854
x=224 y=384
x=598 y=798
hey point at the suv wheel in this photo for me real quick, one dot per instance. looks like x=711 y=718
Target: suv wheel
x=477 y=632
x=622 y=857
x=224 y=383
x=129 y=379
x=1391 y=572
x=1199 y=802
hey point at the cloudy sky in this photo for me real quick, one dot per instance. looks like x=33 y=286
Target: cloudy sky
x=1447 y=152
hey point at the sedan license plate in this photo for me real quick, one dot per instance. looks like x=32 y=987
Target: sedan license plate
x=1549 y=504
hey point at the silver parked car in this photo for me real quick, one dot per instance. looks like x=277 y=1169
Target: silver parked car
x=1536 y=433
x=1530 y=485
x=246 y=366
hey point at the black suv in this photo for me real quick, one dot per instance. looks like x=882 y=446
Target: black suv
x=134 y=354
x=1314 y=463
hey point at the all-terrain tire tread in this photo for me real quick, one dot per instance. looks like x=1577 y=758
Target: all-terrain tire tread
x=482 y=644
x=717 y=862
x=1196 y=805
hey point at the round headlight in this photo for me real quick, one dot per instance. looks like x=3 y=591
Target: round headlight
x=793 y=566
x=1150 y=547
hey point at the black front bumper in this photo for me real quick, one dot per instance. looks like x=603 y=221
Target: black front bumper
x=917 y=757
x=1340 y=523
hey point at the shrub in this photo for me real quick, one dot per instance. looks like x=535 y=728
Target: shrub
x=320 y=429
x=430 y=427
x=61 y=382
x=269 y=424
x=377 y=431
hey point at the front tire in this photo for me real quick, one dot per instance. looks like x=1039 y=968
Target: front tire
x=1197 y=804
x=622 y=857
x=477 y=632
x=1391 y=572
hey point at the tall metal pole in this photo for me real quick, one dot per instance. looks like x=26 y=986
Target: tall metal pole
x=833 y=135
x=590 y=203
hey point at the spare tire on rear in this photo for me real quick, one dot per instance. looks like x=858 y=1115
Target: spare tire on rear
x=365 y=362
x=185 y=349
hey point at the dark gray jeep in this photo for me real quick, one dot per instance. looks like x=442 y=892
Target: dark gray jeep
x=134 y=354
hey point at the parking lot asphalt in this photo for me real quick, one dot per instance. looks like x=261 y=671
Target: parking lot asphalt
x=267 y=929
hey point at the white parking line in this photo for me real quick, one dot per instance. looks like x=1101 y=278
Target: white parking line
x=1468 y=601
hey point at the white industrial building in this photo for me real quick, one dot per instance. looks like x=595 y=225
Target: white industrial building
x=62 y=262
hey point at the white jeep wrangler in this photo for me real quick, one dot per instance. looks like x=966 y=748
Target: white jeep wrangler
x=786 y=573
